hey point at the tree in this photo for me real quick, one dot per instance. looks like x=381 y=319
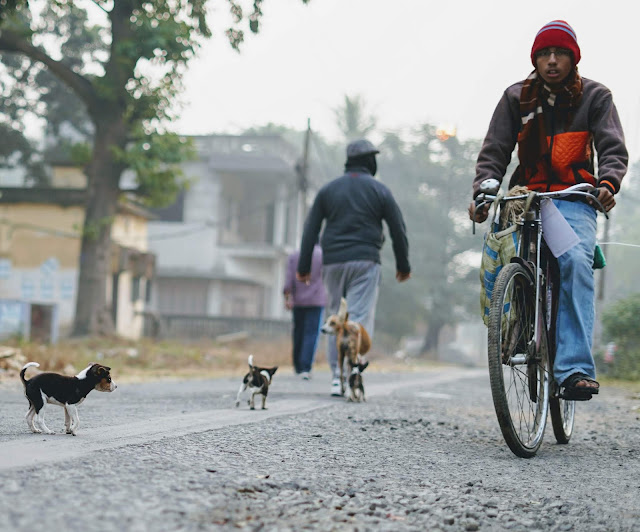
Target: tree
x=353 y=119
x=620 y=324
x=430 y=178
x=621 y=274
x=125 y=69
x=18 y=152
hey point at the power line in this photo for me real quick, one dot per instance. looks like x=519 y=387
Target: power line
x=243 y=214
x=620 y=244
x=246 y=213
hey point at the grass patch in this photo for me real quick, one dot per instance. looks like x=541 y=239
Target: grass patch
x=172 y=359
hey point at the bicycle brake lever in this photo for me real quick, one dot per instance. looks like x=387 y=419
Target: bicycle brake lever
x=595 y=192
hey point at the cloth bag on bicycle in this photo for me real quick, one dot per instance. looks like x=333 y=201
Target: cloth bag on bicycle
x=500 y=246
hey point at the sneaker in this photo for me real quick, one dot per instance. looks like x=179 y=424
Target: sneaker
x=335 y=388
x=305 y=375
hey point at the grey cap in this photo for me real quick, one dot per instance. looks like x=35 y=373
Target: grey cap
x=360 y=147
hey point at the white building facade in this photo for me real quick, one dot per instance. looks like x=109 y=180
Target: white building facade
x=221 y=248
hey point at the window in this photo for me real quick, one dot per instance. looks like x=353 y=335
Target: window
x=135 y=289
x=147 y=291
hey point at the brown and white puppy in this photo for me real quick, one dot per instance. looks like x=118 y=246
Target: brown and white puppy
x=356 y=386
x=64 y=391
x=258 y=381
x=352 y=339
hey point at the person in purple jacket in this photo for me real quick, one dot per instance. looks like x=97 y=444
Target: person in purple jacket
x=306 y=300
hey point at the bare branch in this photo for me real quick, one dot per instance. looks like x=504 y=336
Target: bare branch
x=12 y=42
x=97 y=2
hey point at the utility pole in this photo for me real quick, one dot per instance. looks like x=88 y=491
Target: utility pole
x=302 y=170
x=605 y=238
x=601 y=288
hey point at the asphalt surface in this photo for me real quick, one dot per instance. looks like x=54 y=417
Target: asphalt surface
x=423 y=453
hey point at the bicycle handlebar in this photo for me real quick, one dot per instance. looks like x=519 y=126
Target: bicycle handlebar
x=589 y=191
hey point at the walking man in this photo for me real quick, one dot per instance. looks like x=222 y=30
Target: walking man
x=353 y=207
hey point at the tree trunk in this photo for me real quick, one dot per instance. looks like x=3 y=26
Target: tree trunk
x=430 y=345
x=93 y=316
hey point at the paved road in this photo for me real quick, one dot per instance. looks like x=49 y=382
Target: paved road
x=424 y=453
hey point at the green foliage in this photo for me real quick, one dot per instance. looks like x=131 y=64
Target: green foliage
x=132 y=62
x=156 y=159
x=9 y=7
x=620 y=320
x=620 y=325
x=16 y=151
x=80 y=153
x=92 y=231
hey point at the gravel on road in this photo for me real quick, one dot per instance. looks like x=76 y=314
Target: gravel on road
x=428 y=456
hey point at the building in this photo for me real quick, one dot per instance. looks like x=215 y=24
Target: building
x=40 y=252
x=221 y=247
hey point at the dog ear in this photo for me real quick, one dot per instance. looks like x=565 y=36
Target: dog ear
x=97 y=370
x=272 y=370
x=362 y=367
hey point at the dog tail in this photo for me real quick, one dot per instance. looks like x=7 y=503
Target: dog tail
x=250 y=361
x=342 y=311
x=25 y=368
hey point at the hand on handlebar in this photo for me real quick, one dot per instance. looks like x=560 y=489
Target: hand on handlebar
x=605 y=197
x=480 y=213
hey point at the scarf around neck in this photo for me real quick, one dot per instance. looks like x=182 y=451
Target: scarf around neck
x=534 y=97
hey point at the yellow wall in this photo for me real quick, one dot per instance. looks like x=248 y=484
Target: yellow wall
x=130 y=231
x=32 y=234
x=28 y=234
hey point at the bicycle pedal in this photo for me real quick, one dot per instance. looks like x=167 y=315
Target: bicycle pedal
x=575 y=396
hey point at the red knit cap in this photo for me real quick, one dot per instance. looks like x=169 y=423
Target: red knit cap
x=559 y=34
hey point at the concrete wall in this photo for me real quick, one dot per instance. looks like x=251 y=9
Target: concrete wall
x=238 y=225
x=39 y=254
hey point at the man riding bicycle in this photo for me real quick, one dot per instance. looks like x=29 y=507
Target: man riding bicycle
x=557 y=118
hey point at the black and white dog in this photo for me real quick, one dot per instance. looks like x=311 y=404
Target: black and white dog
x=356 y=386
x=64 y=391
x=258 y=381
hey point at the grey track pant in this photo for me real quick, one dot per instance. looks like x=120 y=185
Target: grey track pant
x=358 y=282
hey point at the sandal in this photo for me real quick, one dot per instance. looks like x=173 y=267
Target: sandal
x=570 y=390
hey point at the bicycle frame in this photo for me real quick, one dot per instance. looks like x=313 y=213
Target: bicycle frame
x=532 y=227
x=529 y=247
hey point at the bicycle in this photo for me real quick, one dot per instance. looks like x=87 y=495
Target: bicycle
x=521 y=331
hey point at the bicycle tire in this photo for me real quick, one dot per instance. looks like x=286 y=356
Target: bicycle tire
x=562 y=418
x=562 y=412
x=511 y=330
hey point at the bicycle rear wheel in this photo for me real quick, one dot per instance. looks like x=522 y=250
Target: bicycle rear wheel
x=562 y=411
x=518 y=369
x=562 y=416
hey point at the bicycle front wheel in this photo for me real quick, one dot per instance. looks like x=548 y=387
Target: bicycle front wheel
x=518 y=368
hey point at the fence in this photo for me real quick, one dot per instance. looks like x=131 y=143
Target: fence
x=218 y=327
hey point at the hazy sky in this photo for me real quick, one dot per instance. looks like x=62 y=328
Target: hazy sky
x=413 y=61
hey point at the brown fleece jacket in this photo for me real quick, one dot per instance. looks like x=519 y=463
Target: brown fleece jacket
x=595 y=115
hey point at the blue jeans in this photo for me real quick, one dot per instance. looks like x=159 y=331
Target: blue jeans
x=306 y=329
x=358 y=282
x=576 y=304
